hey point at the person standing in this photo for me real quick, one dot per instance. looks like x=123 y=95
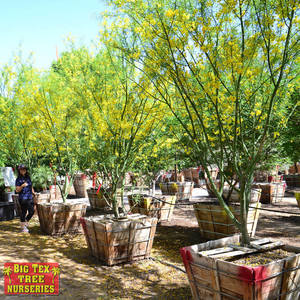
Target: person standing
x=25 y=190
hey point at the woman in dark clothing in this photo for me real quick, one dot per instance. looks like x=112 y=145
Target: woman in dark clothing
x=25 y=190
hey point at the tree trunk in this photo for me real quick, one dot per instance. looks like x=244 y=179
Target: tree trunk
x=244 y=203
x=295 y=166
x=115 y=205
x=153 y=187
x=113 y=198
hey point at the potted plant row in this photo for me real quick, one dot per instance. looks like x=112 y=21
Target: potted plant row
x=228 y=96
x=159 y=206
x=182 y=190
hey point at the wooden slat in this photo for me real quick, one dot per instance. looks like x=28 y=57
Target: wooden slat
x=231 y=247
x=216 y=281
x=260 y=242
x=231 y=284
x=269 y=246
x=232 y=254
x=215 y=251
x=239 y=251
x=240 y=248
x=291 y=280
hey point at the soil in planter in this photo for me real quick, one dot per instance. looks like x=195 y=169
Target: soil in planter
x=262 y=258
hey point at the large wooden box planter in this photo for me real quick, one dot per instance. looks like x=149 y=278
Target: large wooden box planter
x=214 y=222
x=294 y=170
x=210 y=192
x=212 y=277
x=255 y=195
x=55 y=193
x=80 y=185
x=261 y=176
x=58 y=218
x=97 y=201
x=271 y=192
x=117 y=241
x=162 y=210
x=292 y=180
x=188 y=175
x=42 y=197
x=182 y=190
x=195 y=174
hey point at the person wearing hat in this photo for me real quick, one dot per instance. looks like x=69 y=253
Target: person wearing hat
x=25 y=190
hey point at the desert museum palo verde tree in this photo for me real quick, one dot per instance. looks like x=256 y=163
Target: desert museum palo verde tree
x=225 y=69
x=56 y=123
x=15 y=137
x=121 y=117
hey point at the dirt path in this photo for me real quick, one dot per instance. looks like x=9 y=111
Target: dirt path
x=82 y=277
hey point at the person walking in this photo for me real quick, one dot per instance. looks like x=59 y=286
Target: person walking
x=25 y=190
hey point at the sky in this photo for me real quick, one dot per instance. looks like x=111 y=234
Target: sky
x=41 y=26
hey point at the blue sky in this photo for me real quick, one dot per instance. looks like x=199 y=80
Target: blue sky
x=39 y=26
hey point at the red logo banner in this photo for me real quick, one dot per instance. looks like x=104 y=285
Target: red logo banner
x=31 y=278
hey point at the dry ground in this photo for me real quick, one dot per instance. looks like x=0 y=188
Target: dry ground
x=82 y=277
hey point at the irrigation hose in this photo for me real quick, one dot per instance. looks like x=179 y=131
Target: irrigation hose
x=167 y=264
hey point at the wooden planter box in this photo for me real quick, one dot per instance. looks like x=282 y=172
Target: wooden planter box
x=292 y=180
x=293 y=170
x=7 y=211
x=55 y=193
x=80 y=185
x=97 y=201
x=42 y=197
x=209 y=189
x=182 y=190
x=261 y=176
x=271 y=192
x=58 y=218
x=117 y=241
x=235 y=197
x=151 y=207
x=212 y=277
x=214 y=222
x=188 y=175
x=195 y=174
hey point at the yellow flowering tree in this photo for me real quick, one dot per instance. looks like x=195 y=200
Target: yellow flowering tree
x=121 y=117
x=158 y=152
x=224 y=69
x=15 y=136
x=55 y=121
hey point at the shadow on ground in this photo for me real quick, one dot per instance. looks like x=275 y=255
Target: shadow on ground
x=274 y=226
